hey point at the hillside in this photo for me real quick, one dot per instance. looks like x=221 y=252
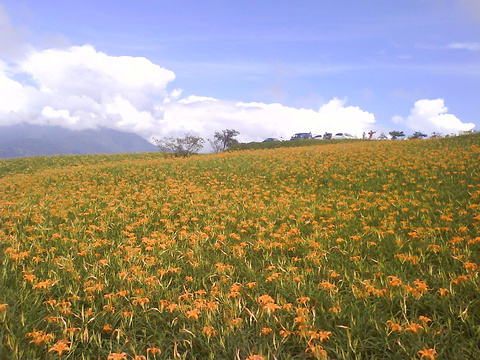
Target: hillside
x=32 y=140
x=349 y=250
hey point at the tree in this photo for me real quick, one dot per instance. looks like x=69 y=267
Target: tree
x=418 y=135
x=396 y=134
x=224 y=140
x=185 y=146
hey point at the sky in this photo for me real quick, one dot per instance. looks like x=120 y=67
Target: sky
x=267 y=68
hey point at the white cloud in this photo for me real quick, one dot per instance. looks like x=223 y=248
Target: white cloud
x=11 y=92
x=465 y=46
x=256 y=121
x=431 y=115
x=195 y=99
x=80 y=88
x=62 y=116
x=81 y=70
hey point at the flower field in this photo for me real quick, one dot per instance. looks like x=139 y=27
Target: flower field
x=350 y=250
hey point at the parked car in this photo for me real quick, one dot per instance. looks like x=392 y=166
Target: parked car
x=318 y=137
x=270 y=139
x=301 y=136
x=343 y=136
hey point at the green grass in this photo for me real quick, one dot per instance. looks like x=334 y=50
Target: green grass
x=339 y=250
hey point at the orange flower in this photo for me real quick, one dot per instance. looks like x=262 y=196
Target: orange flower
x=44 y=284
x=443 y=292
x=117 y=356
x=326 y=285
x=255 y=357
x=325 y=335
x=122 y=293
x=335 y=309
x=265 y=299
x=271 y=307
x=192 y=314
x=303 y=299
x=421 y=286
x=424 y=319
x=427 y=354
x=394 y=326
x=317 y=350
x=334 y=274
x=60 y=347
x=39 y=337
x=172 y=307
x=153 y=350
x=300 y=320
x=237 y=321
x=394 y=281
x=459 y=279
x=29 y=277
x=265 y=331
x=413 y=327
x=209 y=331
x=470 y=266
x=141 y=301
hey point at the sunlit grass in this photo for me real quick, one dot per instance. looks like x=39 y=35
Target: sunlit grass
x=355 y=250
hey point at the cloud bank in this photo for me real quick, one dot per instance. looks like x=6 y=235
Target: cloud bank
x=431 y=115
x=80 y=88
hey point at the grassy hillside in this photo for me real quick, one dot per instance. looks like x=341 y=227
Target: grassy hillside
x=348 y=250
x=288 y=144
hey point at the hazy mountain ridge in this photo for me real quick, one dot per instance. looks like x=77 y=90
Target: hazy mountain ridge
x=31 y=140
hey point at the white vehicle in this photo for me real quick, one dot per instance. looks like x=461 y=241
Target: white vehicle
x=343 y=136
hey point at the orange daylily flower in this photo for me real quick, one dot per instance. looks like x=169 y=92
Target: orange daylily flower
x=153 y=350
x=60 y=347
x=192 y=314
x=427 y=354
x=413 y=327
x=117 y=356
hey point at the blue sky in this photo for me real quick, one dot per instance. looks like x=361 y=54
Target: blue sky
x=267 y=68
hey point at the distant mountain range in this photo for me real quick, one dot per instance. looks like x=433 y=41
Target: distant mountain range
x=30 y=140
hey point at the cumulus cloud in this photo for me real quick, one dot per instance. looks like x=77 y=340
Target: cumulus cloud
x=80 y=87
x=81 y=70
x=431 y=115
x=256 y=121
